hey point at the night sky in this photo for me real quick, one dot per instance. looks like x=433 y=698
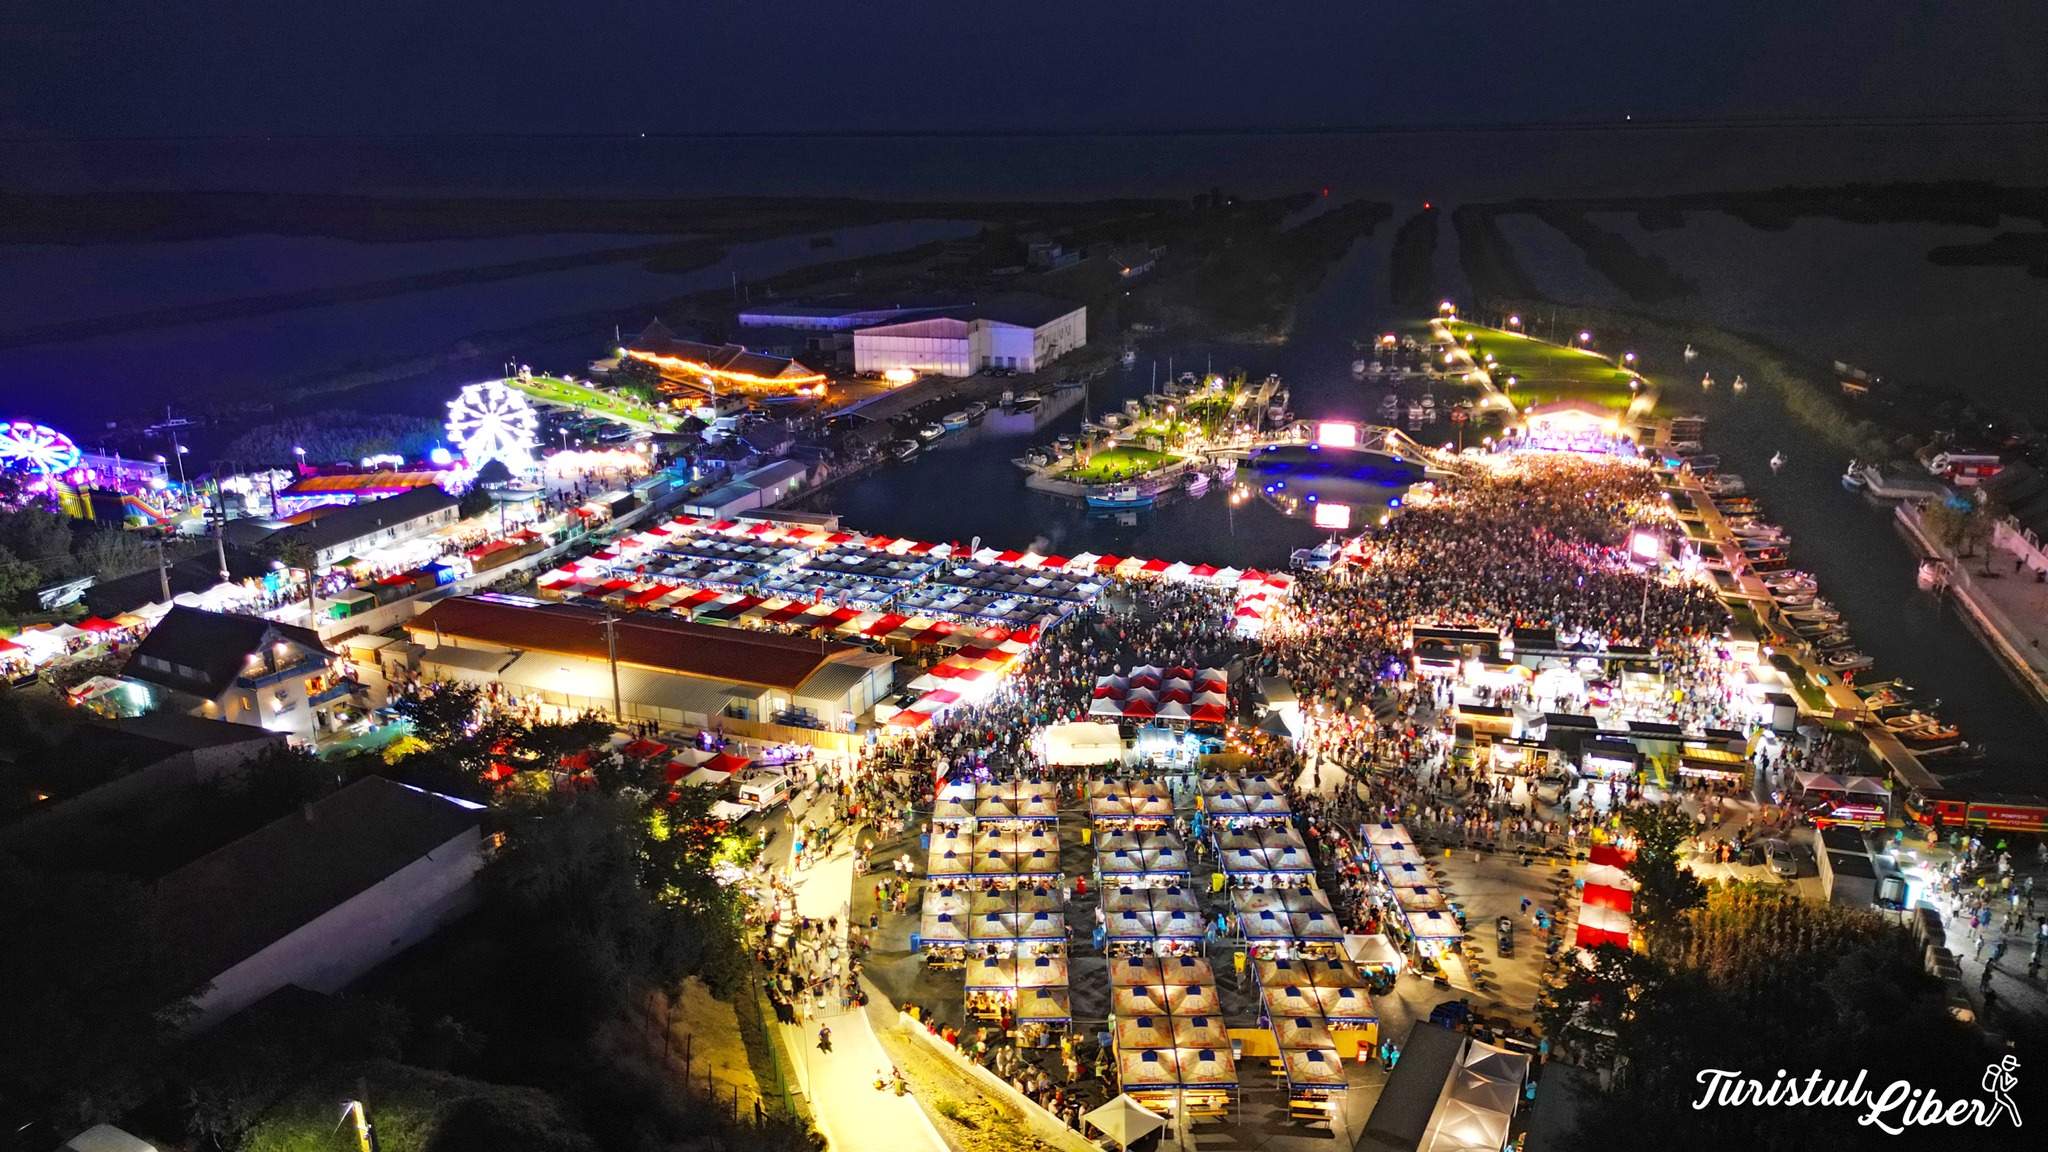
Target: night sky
x=83 y=68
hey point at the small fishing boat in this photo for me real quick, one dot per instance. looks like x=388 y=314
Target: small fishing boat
x=1853 y=478
x=1846 y=660
x=1197 y=482
x=976 y=410
x=1934 y=734
x=1690 y=354
x=1130 y=357
x=1116 y=499
x=1226 y=467
x=1725 y=484
x=931 y=432
x=901 y=450
x=954 y=421
x=1777 y=461
x=1028 y=402
x=1738 y=384
x=1707 y=382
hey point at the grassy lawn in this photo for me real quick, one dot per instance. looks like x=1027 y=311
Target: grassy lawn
x=1546 y=372
x=559 y=391
x=1112 y=464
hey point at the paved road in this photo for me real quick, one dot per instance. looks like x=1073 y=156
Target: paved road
x=841 y=1085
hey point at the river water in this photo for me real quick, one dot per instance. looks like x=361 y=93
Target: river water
x=966 y=486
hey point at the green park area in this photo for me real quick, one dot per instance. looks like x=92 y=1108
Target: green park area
x=596 y=401
x=1111 y=465
x=1543 y=372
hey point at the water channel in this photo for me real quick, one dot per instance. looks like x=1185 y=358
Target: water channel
x=966 y=486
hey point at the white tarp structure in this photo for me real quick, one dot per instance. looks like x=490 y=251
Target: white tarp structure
x=1479 y=1103
x=1125 y=1120
x=1081 y=744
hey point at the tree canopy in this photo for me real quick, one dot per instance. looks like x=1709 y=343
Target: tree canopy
x=1755 y=980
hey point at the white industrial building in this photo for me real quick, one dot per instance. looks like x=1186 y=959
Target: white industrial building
x=1024 y=333
x=319 y=897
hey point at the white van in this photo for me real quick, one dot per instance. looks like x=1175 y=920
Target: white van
x=764 y=790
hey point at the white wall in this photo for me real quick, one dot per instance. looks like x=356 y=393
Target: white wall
x=936 y=355
x=329 y=952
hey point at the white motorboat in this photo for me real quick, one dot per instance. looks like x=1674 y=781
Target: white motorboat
x=1777 y=458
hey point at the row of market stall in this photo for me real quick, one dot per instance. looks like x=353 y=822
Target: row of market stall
x=1314 y=1000
x=1173 y=1051
x=1151 y=693
x=672 y=565
x=1411 y=903
x=992 y=907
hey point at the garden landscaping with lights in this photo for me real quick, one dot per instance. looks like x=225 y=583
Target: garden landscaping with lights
x=556 y=390
x=1115 y=465
x=1545 y=373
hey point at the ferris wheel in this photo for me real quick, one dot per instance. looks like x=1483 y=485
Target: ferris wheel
x=34 y=447
x=490 y=421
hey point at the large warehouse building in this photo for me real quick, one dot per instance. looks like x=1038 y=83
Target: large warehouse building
x=670 y=670
x=1024 y=333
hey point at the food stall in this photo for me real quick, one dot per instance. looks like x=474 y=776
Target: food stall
x=1315 y=1078
x=1042 y=1014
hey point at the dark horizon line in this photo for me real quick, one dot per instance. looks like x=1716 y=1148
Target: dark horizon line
x=1629 y=124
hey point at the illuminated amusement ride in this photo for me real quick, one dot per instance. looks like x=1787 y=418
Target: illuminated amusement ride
x=491 y=421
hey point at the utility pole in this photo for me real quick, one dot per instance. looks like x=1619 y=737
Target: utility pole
x=611 y=650
x=163 y=572
x=220 y=527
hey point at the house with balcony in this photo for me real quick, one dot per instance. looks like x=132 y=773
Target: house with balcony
x=243 y=670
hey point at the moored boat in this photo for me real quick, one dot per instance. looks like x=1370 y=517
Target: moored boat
x=1115 y=499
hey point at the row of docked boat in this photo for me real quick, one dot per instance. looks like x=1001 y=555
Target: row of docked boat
x=1816 y=625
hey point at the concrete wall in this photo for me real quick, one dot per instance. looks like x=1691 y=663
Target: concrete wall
x=1042 y=1123
x=332 y=950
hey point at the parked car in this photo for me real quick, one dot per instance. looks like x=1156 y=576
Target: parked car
x=1783 y=859
x=1504 y=936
